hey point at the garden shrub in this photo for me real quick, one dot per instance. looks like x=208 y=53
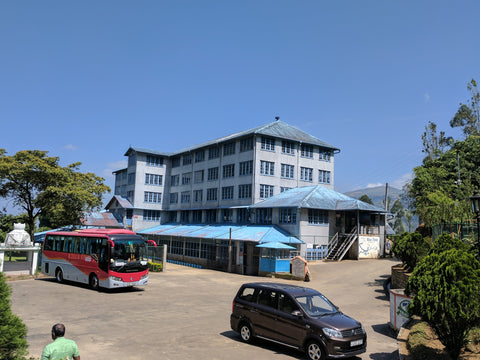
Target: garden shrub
x=155 y=267
x=446 y=294
x=13 y=332
x=447 y=242
x=410 y=248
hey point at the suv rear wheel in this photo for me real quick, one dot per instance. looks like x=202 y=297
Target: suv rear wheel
x=246 y=332
x=315 y=351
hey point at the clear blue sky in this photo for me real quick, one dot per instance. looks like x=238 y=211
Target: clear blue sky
x=87 y=79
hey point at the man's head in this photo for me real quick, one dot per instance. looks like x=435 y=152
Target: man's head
x=58 y=330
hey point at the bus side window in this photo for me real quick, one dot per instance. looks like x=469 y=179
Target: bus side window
x=49 y=241
x=83 y=245
x=76 y=245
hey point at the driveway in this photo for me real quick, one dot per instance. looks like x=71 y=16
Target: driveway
x=184 y=313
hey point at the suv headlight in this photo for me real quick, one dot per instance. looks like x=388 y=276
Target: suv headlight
x=332 y=333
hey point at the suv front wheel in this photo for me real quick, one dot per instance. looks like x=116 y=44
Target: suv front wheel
x=315 y=351
x=246 y=333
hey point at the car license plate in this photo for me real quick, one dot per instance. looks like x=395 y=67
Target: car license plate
x=356 y=342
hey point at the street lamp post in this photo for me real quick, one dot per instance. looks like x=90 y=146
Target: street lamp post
x=475 y=200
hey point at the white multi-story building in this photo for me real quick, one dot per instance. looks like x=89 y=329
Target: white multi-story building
x=225 y=181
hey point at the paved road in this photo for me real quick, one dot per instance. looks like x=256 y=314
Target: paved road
x=184 y=313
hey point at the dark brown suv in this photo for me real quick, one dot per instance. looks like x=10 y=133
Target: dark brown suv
x=298 y=317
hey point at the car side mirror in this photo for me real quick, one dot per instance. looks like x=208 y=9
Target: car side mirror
x=296 y=313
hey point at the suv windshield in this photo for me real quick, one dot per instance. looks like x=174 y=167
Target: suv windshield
x=129 y=255
x=316 y=305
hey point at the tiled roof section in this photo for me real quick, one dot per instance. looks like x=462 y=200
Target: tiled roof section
x=316 y=197
x=101 y=220
x=146 y=151
x=122 y=202
x=278 y=129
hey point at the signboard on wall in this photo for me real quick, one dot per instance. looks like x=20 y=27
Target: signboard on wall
x=368 y=247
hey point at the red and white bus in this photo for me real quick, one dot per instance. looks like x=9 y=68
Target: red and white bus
x=108 y=258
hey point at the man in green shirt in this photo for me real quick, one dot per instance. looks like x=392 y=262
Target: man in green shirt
x=61 y=348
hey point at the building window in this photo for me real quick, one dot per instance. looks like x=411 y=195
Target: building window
x=172 y=216
x=176 y=161
x=284 y=188
x=154 y=160
x=187 y=159
x=245 y=191
x=246 y=168
x=229 y=148
x=288 y=171
x=185 y=198
x=324 y=176
x=268 y=143
x=227 y=215
x=173 y=198
x=198 y=176
x=192 y=249
x=153 y=179
x=288 y=216
x=174 y=180
x=307 y=151
x=197 y=216
x=199 y=156
x=229 y=170
x=131 y=179
x=213 y=153
x=212 y=194
x=197 y=195
x=246 y=144
x=151 y=215
x=288 y=147
x=212 y=174
x=184 y=216
x=266 y=191
x=152 y=197
x=227 y=193
x=186 y=178
x=243 y=216
x=317 y=217
x=267 y=168
x=263 y=216
x=130 y=195
x=306 y=174
x=211 y=216
x=325 y=155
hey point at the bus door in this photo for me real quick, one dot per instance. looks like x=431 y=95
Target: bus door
x=103 y=258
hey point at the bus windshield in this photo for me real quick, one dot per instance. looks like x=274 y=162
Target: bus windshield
x=129 y=256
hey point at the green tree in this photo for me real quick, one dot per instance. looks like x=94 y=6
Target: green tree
x=468 y=115
x=366 y=198
x=446 y=293
x=434 y=144
x=39 y=185
x=13 y=332
x=398 y=212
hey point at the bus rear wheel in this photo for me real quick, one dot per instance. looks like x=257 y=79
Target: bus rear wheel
x=59 y=275
x=94 y=282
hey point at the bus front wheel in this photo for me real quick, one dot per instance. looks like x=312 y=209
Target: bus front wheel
x=59 y=275
x=94 y=282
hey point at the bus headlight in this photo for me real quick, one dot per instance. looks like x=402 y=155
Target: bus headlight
x=117 y=278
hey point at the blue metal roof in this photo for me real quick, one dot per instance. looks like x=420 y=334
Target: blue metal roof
x=316 y=197
x=275 y=245
x=255 y=233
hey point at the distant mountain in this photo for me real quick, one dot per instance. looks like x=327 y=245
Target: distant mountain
x=377 y=194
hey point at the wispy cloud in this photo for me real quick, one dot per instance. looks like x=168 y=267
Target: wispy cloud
x=70 y=147
x=114 y=166
x=426 y=97
x=374 y=185
x=402 y=180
